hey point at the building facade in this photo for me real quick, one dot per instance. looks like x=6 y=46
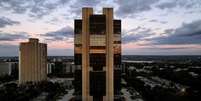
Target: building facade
x=9 y=68
x=32 y=61
x=97 y=56
x=5 y=68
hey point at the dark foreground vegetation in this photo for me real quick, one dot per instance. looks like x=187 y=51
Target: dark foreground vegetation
x=7 y=78
x=13 y=92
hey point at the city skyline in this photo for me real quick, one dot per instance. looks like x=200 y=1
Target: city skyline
x=149 y=27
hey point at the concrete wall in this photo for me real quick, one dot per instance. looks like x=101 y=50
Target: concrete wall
x=32 y=61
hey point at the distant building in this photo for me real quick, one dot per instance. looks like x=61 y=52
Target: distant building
x=8 y=68
x=5 y=68
x=60 y=68
x=32 y=61
x=69 y=67
x=49 y=67
x=97 y=56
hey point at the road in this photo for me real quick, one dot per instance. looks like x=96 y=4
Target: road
x=68 y=96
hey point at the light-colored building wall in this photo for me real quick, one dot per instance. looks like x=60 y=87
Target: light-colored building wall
x=69 y=67
x=109 y=55
x=86 y=12
x=32 y=61
x=7 y=68
x=49 y=67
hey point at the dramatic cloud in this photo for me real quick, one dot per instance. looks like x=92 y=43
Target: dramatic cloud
x=187 y=34
x=78 y=4
x=61 y=34
x=136 y=34
x=131 y=7
x=16 y=6
x=13 y=37
x=148 y=25
x=35 y=8
x=7 y=22
x=45 y=7
x=168 y=4
x=158 y=21
x=128 y=8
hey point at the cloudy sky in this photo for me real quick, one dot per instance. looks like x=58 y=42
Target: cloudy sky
x=149 y=27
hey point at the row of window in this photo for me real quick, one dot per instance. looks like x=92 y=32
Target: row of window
x=97 y=27
x=97 y=59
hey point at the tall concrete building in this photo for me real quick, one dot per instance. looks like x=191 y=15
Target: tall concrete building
x=32 y=61
x=97 y=56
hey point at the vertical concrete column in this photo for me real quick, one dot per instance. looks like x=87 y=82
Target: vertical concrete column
x=38 y=62
x=26 y=64
x=20 y=65
x=45 y=63
x=109 y=54
x=34 y=66
x=86 y=12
